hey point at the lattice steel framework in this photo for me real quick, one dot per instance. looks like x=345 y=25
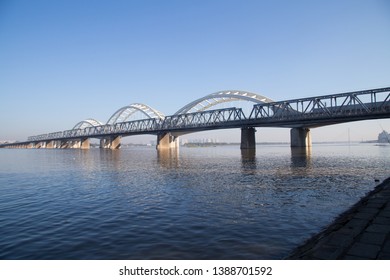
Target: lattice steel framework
x=124 y=113
x=304 y=112
x=213 y=99
x=324 y=110
x=212 y=118
x=87 y=123
x=221 y=118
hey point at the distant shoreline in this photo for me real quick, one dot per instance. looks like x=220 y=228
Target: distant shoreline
x=209 y=144
x=276 y=143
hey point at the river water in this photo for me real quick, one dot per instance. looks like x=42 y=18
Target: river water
x=195 y=203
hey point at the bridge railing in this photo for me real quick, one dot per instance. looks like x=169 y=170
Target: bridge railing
x=145 y=125
x=329 y=106
x=312 y=111
x=203 y=119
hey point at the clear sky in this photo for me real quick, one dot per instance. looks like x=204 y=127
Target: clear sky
x=65 y=61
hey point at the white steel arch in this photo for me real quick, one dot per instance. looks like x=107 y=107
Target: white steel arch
x=213 y=99
x=87 y=123
x=124 y=113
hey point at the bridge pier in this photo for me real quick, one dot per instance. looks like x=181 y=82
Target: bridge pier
x=112 y=143
x=84 y=144
x=48 y=145
x=58 y=144
x=248 y=139
x=102 y=144
x=300 y=137
x=75 y=144
x=64 y=144
x=167 y=141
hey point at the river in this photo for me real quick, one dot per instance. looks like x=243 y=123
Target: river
x=194 y=203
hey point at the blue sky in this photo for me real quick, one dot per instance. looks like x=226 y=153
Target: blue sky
x=65 y=61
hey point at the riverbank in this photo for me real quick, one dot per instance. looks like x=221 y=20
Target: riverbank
x=362 y=232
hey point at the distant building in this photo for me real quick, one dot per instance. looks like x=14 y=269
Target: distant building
x=384 y=137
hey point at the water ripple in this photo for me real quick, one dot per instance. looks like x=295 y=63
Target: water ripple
x=205 y=203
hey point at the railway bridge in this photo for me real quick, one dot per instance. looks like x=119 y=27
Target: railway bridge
x=300 y=115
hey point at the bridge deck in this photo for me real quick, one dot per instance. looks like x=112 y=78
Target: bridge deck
x=297 y=113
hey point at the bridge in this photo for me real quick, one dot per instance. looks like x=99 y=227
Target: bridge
x=300 y=115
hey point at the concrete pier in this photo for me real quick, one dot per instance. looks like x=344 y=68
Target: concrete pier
x=50 y=145
x=112 y=143
x=64 y=144
x=75 y=144
x=248 y=139
x=360 y=233
x=167 y=141
x=84 y=144
x=300 y=137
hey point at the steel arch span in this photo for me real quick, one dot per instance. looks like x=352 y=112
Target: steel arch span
x=87 y=123
x=124 y=113
x=213 y=99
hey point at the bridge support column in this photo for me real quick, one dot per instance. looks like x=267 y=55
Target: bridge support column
x=248 y=139
x=112 y=143
x=102 y=144
x=167 y=141
x=300 y=137
x=64 y=144
x=59 y=144
x=75 y=144
x=84 y=144
x=49 y=145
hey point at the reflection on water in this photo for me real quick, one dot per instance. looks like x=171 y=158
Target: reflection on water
x=168 y=158
x=248 y=155
x=192 y=203
x=301 y=157
x=248 y=159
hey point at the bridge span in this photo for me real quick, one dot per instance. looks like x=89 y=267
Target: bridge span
x=300 y=115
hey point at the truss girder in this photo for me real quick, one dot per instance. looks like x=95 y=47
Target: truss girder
x=200 y=120
x=124 y=113
x=208 y=101
x=87 y=123
x=206 y=119
x=323 y=109
x=305 y=112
